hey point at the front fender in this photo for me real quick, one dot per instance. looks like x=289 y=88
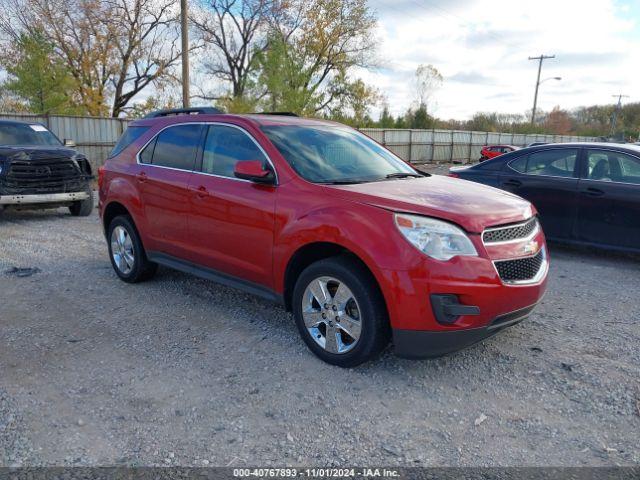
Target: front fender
x=368 y=232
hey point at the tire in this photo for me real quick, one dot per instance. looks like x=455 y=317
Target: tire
x=82 y=208
x=130 y=260
x=335 y=274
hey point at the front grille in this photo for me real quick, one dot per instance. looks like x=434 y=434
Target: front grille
x=520 y=270
x=510 y=232
x=54 y=175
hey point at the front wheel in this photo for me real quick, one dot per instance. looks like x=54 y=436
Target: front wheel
x=340 y=312
x=82 y=208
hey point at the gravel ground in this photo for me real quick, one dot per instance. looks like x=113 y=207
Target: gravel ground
x=182 y=371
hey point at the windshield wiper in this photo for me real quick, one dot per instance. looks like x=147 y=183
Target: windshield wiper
x=343 y=182
x=403 y=175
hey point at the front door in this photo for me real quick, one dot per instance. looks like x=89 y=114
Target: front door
x=165 y=169
x=549 y=180
x=231 y=223
x=609 y=210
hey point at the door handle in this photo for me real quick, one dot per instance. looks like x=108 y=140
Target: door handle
x=201 y=191
x=593 y=192
x=142 y=177
x=512 y=183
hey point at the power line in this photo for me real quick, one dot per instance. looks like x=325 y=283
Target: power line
x=444 y=13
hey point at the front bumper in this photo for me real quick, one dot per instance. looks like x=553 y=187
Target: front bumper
x=43 y=198
x=430 y=344
x=438 y=307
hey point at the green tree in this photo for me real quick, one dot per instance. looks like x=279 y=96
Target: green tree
x=306 y=67
x=386 y=119
x=401 y=122
x=38 y=77
x=421 y=119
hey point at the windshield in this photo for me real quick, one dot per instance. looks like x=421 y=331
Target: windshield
x=24 y=134
x=328 y=154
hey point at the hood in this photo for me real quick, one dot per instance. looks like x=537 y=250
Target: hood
x=471 y=205
x=33 y=152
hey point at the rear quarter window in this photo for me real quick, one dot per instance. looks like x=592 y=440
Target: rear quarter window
x=491 y=165
x=130 y=135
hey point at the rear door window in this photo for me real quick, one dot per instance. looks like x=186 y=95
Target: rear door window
x=174 y=147
x=550 y=163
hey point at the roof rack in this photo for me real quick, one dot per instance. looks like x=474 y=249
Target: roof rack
x=284 y=114
x=184 y=111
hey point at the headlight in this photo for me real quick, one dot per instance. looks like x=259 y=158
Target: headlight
x=435 y=238
x=76 y=158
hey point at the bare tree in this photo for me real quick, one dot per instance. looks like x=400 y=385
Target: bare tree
x=233 y=33
x=145 y=34
x=428 y=80
x=112 y=48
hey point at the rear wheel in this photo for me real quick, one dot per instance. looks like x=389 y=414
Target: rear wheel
x=340 y=312
x=126 y=252
x=82 y=208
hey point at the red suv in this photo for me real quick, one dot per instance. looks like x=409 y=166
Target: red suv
x=361 y=247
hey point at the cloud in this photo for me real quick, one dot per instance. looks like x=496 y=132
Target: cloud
x=580 y=59
x=481 y=47
x=475 y=78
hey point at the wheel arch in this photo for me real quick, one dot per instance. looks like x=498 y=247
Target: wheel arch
x=313 y=252
x=111 y=211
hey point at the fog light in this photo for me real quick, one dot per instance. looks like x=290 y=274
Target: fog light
x=447 y=308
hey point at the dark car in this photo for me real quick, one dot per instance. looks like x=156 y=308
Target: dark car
x=585 y=193
x=37 y=170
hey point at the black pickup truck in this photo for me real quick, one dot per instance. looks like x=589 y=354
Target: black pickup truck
x=37 y=170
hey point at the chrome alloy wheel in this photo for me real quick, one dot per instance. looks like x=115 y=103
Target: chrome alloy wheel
x=122 y=250
x=331 y=315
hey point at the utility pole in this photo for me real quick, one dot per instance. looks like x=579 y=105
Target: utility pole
x=184 y=16
x=614 y=117
x=541 y=58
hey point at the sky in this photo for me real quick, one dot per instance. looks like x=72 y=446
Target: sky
x=481 y=48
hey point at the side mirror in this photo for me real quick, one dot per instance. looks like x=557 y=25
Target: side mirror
x=254 y=171
x=69 y=143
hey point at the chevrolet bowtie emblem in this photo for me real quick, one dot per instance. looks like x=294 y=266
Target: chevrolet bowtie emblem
x=531 y=248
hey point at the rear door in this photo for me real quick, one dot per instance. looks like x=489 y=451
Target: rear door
x=165 y=167
x=609 y=206
x=549 y=179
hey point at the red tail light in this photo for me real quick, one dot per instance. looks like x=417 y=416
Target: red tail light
x=454 y=175
x=100 y=176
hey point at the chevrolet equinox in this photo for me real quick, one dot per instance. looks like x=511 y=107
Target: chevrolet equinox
x=360 y=246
